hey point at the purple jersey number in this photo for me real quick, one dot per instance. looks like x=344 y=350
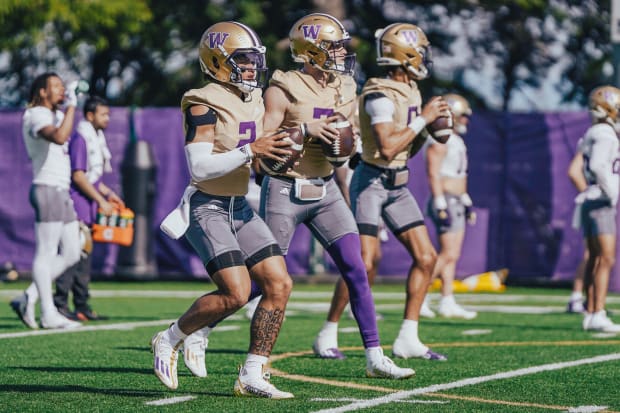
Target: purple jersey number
x=245 y=129
x=413 y=110
x=322 y=113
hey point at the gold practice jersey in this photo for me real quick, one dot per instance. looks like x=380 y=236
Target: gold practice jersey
x=407 y=105
x=311 y=101
x=238 y=123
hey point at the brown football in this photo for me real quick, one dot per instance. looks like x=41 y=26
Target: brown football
x=273 y=167
x=441 y=128
x=340 y=149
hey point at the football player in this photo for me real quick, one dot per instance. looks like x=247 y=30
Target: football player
x=599 y=200
x=450 y=205
x=46 y=130
x=222 y=121
x=392 y=122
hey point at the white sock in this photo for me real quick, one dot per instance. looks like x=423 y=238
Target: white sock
x=33 y=293
x=174 y=333
x=409 y=329
x=254 y=365
x=203 y=332
x=374 y=354
x=599 y=314
x=328 y=336
x=576 y=296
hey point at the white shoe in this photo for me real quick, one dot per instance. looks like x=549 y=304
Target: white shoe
x=406 y=349
x=327 y=347
x=250 y=307
x=585 y=324
x=24 y=309
x=58 y=320
x=165 y=359
x=453 y=310
x=600 y=322
x=385 y=367
x=194 y=347
x=258 y=387
x=425 y=310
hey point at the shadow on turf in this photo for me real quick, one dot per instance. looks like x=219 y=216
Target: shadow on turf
x=38 y=388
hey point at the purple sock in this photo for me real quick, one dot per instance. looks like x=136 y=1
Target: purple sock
x=346 y=254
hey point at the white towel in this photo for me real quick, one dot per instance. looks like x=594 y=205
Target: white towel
x=177 y=221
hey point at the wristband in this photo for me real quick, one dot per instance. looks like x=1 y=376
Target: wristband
x=417 y=124
x=466 y=200
x=247 y=150
x=304 y=129
x=439 y=202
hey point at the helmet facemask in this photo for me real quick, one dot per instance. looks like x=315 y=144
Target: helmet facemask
x=247 y=60
x=335 y=62
x=420 y=66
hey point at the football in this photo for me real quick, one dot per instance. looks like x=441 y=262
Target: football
x=441 y=128
x=341 y=149
x=273 y=167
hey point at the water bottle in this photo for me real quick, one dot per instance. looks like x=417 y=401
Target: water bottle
x=102 y=219
x=82 y=87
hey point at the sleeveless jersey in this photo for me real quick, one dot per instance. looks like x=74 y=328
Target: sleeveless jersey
x=311 y=101
x=454 y=164
x=238 y=123
x=407 y=105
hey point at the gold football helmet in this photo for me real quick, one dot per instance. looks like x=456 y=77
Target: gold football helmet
x=226 y=51
x=605 y=104
x=404 y=44
x=321 y=40
x=459 y=107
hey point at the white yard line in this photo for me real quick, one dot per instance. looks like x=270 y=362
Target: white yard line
x=468 y=382
x=170 y=400
x=116 y=326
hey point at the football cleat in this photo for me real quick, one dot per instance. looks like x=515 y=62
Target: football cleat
x=425 y=310
x=453 y=310
x=194 y=347
x=325 y=348
x=57 y=320
x=384 y=367
x=405 y=350
x=575 y=306
x=165 y=356
x=25 y=311
x=258 y=387
x=600 y=322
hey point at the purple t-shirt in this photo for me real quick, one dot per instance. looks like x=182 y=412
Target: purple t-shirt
x=85 y=207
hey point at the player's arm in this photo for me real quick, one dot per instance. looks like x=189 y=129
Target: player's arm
x=575 y=172
x=340 y=175
x=203 y=164
x=391 y=141
x=59 y=135
x=81 y=181
x=435 y=155
x=110 y=195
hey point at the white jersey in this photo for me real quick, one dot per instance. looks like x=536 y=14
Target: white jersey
x=602 y=160
x=454 y=164
x=50 y=161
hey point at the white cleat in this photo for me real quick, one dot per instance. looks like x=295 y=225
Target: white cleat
x=58 y=320
x=453 y=310
x=585 y=324
x=600 y=322
x=25 y=310
x=165 y=359
x=258 y=387
x=425 y=311
x=194 y=347
x=404 y=349
x=384 y=367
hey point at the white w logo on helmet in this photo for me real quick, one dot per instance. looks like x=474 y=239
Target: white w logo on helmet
x=410 y=36
x=311 y=31
x=217 y=39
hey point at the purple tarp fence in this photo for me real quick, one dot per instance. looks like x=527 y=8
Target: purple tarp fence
x=517 y=179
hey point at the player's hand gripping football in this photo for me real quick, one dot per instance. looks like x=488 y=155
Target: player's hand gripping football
x=435 y=108
x=272 y=146
x=320 y=129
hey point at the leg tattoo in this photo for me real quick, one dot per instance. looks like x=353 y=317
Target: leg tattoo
x=264 y=330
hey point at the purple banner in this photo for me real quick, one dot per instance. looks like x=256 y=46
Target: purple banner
x=517 y=179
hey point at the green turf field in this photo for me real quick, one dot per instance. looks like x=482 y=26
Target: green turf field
x=522 y=354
